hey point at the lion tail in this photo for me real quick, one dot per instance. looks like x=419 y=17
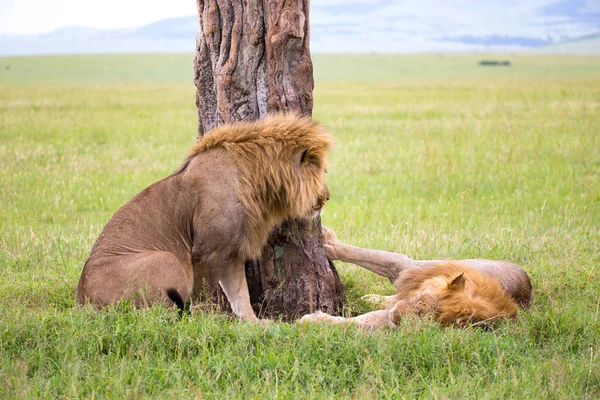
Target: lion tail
x=176 y=298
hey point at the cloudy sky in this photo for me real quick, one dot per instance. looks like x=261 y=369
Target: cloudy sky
x=422 y=24
x=38 y=16
x=372 y=25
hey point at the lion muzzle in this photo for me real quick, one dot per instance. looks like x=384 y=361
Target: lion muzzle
x=321 y=201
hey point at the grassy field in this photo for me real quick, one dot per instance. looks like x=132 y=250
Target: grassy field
x=436 y=157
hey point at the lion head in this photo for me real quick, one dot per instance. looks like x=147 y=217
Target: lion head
x=458 y=295
x=474 y=299
x=281 y=163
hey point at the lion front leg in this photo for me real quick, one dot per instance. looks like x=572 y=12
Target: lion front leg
x=423 y=306
x=233 y=282
x=383 y=263
x=380 y=301
x=319 y=316
x=374 y=319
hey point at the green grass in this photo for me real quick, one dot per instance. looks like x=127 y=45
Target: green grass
x=436 y=157
x=417 y=69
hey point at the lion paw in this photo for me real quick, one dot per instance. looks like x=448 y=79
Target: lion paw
x=331 y=243
x=329 y=236
x=314 y=317
x=374 y=299
x=329 y=252
x=318 y=316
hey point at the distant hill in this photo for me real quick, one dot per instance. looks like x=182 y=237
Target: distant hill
x=583 y=45
x=177 y=35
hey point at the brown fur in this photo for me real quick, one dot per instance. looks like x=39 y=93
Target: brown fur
x=476 y=292
x=459 y=294
x=196 y=228
x=269 y=192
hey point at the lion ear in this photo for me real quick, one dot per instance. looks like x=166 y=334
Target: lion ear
x=458 y=283
x=299 y=157
x=304 y=155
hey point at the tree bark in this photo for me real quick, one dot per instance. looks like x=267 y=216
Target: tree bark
x=252 y=58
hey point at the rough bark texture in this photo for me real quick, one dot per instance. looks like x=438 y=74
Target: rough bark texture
x=252 y=58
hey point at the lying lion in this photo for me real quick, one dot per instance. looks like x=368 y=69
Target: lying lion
x=475 y=292
x=185 y=234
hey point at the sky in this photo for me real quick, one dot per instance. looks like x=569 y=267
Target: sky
x=440 y=25
x=370 y=25
x=466 y=17
x=40 y=16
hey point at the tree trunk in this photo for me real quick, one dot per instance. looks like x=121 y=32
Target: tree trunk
x=252 y=58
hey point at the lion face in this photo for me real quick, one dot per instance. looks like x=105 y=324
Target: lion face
x=466 y=298
x=280 y=163
x=310 y=193
x=459 y=295
x=474 y=300
x=321 y=200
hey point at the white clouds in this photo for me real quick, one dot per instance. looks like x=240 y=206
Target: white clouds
x=433 y=20
x=346 y=25
x=590 y=6
x=34 y=16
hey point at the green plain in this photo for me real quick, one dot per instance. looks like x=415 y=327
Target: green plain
x=436 y=157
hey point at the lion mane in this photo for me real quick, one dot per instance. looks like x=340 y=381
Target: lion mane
x=452 y=294
x=269 y=192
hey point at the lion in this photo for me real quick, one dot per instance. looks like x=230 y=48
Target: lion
x=194 y=229
x=468 y=292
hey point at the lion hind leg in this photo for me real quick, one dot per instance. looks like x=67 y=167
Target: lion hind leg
x=145 y=278
x=161 y=278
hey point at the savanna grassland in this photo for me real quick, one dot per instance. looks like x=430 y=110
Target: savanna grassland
x=436 y=157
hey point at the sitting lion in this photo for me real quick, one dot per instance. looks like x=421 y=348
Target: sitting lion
x=184 y=234
x=475 y=292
